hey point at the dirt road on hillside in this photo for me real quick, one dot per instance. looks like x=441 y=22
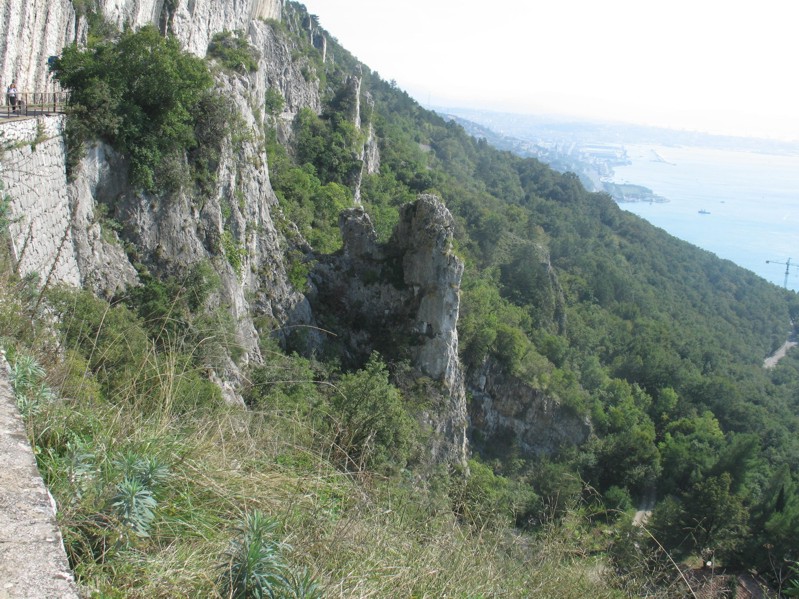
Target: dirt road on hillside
x=778 y=355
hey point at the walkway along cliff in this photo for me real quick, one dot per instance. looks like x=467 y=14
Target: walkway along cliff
x=32 y=558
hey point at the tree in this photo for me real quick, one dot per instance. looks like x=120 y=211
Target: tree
x=709 y=518
x=689 y=450
x=371 y=426
x=716 y=517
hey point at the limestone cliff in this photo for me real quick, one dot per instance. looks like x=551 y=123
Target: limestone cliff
x=194 y=22
x=33 y=30
x=30 y=32
x=74 y=232
x=171 y=233
x=400 y=298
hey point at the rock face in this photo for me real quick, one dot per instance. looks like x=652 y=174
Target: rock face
x=74 y=233
x=133 y=13
x=232 y=227
x=278 y=71
x=400 y=298
x=30 y=32
x=404 y=294
x=194 y=22
x=33 y=30
x=423 y=240
x=103 y=265
x=509 y=413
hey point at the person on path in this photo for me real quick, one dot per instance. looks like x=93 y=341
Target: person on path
x=12 y=96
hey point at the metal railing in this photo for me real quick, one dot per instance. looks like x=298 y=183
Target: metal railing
x=35 y=103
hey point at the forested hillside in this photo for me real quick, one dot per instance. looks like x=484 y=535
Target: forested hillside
x=650 y=346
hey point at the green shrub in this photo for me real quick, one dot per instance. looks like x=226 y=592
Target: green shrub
x=121 y=355
x=215 y=119
x=285 y=383
x=234 y=51
x=5 y=201
x=617 y=499
x=149 y=470
x=484 y=498
x=274 y=102
x=371 y=426
x=235 y=252
x=299 y=267
x=174 y=314
x=330 y=144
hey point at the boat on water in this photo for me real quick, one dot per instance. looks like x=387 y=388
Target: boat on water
x=703 y=211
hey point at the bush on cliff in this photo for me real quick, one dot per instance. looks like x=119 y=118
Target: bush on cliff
x=140 y=94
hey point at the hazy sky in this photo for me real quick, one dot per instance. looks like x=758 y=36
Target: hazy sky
x=726 y=67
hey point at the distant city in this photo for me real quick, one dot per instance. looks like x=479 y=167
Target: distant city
x=592 y=149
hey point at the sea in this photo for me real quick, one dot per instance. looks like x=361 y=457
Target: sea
x=741 y=205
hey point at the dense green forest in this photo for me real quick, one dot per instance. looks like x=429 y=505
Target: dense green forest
x=656 y=342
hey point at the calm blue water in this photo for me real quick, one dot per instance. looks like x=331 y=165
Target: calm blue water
x=753 y=200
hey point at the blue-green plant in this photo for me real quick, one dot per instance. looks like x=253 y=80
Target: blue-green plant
x=791 y=589
x=302 y=585
x=27 y=382
x=254 y=567
x=150 y=471
x=135 y=505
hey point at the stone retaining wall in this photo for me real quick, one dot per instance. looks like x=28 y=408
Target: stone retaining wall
x=32 y=168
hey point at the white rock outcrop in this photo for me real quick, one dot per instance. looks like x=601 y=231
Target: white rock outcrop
x=103 y=265
x=194 y=22
x=33 y=30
